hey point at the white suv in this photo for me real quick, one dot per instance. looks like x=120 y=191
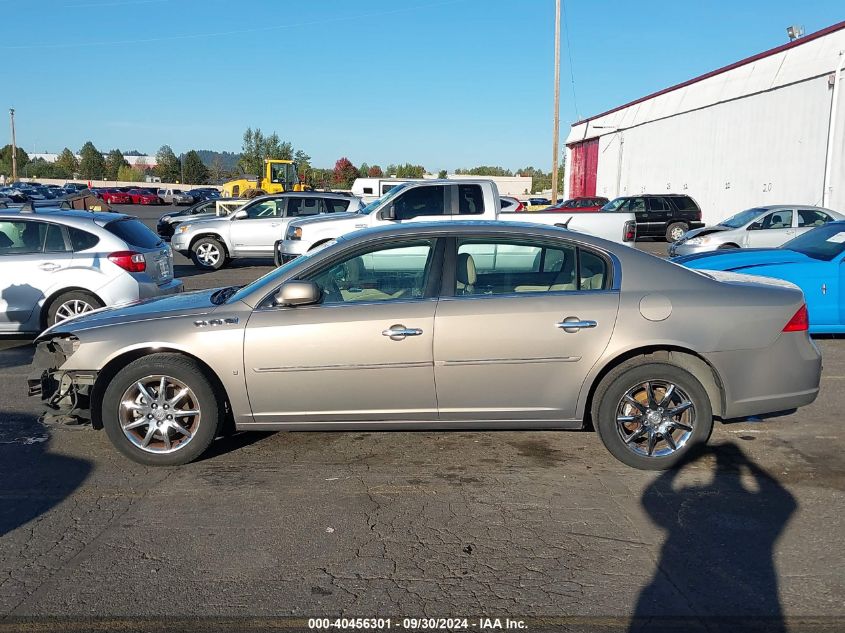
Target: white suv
x=57 y=264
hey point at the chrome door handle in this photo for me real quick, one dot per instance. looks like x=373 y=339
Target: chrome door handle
x=398 y=332
x=49 y=266
x=575 y=324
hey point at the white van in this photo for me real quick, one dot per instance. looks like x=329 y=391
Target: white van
x=369 y=189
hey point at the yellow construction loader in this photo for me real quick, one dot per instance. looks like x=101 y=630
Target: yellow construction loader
x=279 y=175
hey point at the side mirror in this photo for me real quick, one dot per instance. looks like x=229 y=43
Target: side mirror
x=388 y=213
x=297 y=293
x=755 y=226
x=240 y=215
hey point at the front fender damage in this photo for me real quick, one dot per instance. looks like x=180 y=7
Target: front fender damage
x=66 y=395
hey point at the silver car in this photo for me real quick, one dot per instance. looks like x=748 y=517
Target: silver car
x=760 y=227
x=253 y=230
x=58 y=264
x=464 y=325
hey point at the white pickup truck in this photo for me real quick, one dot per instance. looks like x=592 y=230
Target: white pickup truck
x=439 y=201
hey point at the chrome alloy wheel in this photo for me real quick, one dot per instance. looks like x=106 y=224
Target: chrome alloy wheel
x=159 y=414
x=677 y=233
x=72 y=308
x=655 y=418
x=208 y=254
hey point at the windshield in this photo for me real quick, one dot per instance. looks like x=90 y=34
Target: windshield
x=825 y=242
x=283 y=173
x=270 y=277
x=741 y=219
x=379 y=201
x=614 y=204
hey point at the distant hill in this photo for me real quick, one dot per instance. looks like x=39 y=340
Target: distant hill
x=229 y=160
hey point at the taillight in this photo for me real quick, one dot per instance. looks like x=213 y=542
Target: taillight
x=800 y=321
x=519 y=207
x=629 y=231
x=129 y=261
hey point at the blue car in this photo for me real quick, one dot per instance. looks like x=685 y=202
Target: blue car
x=814 y=261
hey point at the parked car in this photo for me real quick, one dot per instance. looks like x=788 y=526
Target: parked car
x=441 y=325
x=760 y=227
x=175 y=196
x=536 y=202
x=511 y=205
x=576 y=205
x=58 y=264
x=201 y=210
x=139 y=196
x=444 y=201
x=115 y=196
x=253 y=230
x=203 y=193
x=813 y=261
x=667 y=216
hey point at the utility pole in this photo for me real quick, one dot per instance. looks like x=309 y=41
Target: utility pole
x=556 y=133
x=14 y=146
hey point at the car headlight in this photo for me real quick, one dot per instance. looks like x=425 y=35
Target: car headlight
x=294 y=233
x=698 y=241
x=165 y=218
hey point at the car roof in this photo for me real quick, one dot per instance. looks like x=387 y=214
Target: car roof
x=790 y=207
x=71 y=217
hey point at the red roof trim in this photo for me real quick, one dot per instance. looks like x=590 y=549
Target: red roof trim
x=774 y=51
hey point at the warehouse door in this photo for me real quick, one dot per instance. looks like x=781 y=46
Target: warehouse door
x=582 y=174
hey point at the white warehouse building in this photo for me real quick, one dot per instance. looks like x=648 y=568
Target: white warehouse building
x=769 y=129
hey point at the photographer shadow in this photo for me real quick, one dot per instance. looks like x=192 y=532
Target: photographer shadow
x=716 y=570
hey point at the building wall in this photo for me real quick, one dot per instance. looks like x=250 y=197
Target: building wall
x=756 y=134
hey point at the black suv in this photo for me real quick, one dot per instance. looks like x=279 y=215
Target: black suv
x=666 y=215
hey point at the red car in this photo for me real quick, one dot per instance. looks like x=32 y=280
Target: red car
x=115 y=196
x=578 y=205
x=139 y=196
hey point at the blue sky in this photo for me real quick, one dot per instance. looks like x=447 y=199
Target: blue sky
x=442 y=83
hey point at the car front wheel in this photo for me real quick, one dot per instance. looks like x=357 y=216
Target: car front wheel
x=675 y=231
x=161 y=410
x=208 y=253
x=649 y=414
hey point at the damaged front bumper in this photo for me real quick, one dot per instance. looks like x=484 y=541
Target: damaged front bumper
x=66 y=394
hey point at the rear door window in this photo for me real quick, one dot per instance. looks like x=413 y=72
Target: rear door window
x=335 y=205
x=133 y=232
x=812 y=217
x=303 y=206
x=470 y=200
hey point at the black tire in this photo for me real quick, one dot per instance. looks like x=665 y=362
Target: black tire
x=727 y=247
x=188 y=372
x=675 y=230
x=201 y=254
x=63 y=302
x=608 y=399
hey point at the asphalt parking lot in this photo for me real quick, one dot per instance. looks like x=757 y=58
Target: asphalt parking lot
x=541 y=526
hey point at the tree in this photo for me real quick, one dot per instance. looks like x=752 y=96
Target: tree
x=409 y=171
x=114 y=161
x=67 y=163
x=303 y=165
x=257 y=148
x=6 y=159
x=129 y=174
x=216 y=171
x=195 y=171
x=344 y=173
x=320 y=178
x=40 y=168
x=442 y=173
x=92 y=166
x=375 y=172
x=363 y=170
x=485 y=170
x=168 y=167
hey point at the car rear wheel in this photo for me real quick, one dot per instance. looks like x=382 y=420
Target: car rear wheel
x=649 y=415
x=675 y=231
x=161 y=410
x=71 y=304
x=208 y=253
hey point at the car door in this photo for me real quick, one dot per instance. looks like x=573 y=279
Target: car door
x=659 y=212
x=772 y=230
x=637 y=206
x=363 y=353
x=254 y=235
x=31 y=253
x=502 y=349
